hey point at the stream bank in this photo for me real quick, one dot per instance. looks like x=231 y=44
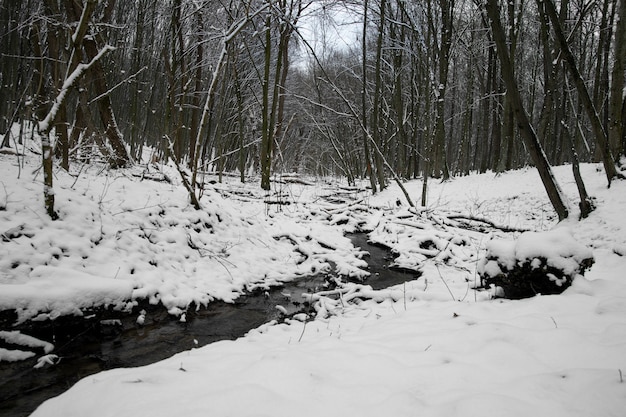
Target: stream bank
x=106 y=340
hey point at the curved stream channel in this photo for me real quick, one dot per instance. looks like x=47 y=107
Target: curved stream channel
x=87 y=346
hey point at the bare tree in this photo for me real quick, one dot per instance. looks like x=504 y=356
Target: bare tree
x=555 y=194
x=75 y=71
x=617 y=104
x=598 y=129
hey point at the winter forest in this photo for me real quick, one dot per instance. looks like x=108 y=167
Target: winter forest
x=416 y=89
x=370 y=177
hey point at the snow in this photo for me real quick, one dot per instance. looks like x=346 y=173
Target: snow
x=45 y=124
x=50 y=359
x=120 y=238
x=557 y=246
x=14 y=355
x=430 y=347
x=17 y=338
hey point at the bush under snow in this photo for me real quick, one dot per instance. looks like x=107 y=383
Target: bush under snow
x=535 y=263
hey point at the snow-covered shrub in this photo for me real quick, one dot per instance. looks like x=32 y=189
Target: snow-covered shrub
x=535 y=263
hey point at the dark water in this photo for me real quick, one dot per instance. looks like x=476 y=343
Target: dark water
x=87 y=346
x=381 y=274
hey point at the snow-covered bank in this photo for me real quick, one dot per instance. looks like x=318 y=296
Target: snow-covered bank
x=120 y=238
x=549 y=356
x=431 y=347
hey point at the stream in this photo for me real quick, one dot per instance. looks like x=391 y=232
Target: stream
x=106 y=340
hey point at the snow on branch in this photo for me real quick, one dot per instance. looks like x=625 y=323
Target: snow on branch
x=84 y=18
x=45 y=125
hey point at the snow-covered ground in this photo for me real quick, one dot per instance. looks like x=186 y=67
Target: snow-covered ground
x=430 y=347
x=121 y=237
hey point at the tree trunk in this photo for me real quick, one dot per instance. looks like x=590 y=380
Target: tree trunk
x=134 y=66
x=195 y=100
x=398 y=105
x=523 y=123
x=366 y=149
x=596 y=124
x=57 y=73
x=439 y=160
x=616 y=103
x=375 y=125
x=266 y=138
x=97 y=77
x=46 y=148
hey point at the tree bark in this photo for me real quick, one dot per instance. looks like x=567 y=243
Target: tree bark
x=266 y=137
x=195 y=99
x=616 y=103
x=523 y=123
x=368 y=157
x=97 y=77
x=46 y=147
x=58 y=77
x=596 y=124
x=375 y=125
x=439 y=159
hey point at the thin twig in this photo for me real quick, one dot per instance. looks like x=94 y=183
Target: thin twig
x=404 y=294
x=106 y=93
x=302 y=334
x=554 y=321
x=445 y=283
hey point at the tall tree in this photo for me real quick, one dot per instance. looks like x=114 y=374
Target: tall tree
x=617 y=103
x=555 y=194
x=579 y=82
x=439 y=157
x=74 y=72
x=369 y=171
x=98 y=81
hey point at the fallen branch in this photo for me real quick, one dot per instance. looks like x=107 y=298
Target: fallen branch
x=488 y=223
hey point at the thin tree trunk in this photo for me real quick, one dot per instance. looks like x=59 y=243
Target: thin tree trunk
x=553 y=190
x=266 y=138
x=439 y=159
x=57 y=73
x=586 y=203
x=375 y=125
x=195 y=100
x=46 y=148
x=366 y=149
x=616 y=103
x=596 y=124
x=97 y=77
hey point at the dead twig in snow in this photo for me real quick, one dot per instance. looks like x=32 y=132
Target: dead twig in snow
x=445 y=283
x=487 y=222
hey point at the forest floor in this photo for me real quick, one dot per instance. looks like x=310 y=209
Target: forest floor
x=434 y=346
